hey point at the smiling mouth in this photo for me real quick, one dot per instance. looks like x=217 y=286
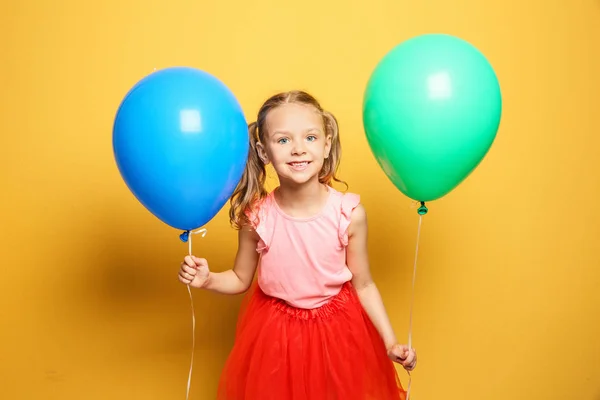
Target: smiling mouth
x=299 y=165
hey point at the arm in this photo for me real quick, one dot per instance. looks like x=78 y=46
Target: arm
x=358 y=263
x=239 y=278
x=368 y=294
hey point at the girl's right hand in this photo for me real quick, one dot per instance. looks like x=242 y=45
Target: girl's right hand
x=194 y=272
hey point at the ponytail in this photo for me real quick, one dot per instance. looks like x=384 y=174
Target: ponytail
x=332 y=162
x=251 y=187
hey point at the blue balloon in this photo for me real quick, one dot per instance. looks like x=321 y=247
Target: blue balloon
x=180 y=141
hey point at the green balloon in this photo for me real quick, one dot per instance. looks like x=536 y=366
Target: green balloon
x=431 y=112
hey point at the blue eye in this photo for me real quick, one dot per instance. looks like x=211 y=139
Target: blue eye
x=280 y=141
x=313 y=138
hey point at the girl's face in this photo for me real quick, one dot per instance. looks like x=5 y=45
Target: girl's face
x=295 y=143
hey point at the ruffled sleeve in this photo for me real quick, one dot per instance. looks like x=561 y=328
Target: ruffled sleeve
x=349 y=202
x=260 y=220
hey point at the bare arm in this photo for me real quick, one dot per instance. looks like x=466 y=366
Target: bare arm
x=368 y=294
x=239 y=278
x=358 y=263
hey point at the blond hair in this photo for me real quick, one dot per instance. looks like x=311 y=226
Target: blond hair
x=251 y=188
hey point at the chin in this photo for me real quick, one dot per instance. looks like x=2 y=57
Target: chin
x=298 y=180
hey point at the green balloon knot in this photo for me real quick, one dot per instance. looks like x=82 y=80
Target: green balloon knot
x=422 y=210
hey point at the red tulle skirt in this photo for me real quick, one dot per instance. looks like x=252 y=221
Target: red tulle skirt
x=329 y=353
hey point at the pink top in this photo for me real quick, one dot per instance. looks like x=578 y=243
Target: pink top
x=303 y=260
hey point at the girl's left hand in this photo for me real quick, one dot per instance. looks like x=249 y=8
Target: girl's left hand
x=401 y=354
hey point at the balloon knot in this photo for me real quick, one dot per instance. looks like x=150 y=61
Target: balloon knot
x=422 y=210
x=184 y=236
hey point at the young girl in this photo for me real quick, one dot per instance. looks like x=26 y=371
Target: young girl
x=314 y=327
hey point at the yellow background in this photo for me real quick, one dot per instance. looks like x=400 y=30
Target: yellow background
x=508 y=285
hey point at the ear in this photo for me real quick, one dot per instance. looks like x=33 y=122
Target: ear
x=328 y=141
x=262 y=153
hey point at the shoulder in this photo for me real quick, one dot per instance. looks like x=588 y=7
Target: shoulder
x=352 y=214
x=347 y=200
x=247 y=233
x=258 y=210
x=359 y=214
x=358 y=220
x=259 y=227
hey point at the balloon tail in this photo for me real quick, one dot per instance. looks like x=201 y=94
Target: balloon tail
x=185 y=237
x=412 y=294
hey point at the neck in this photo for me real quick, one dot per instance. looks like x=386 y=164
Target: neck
x=303 y=198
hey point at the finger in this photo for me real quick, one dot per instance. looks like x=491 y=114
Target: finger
x=190 y=270
x=183 y=279
x=186 y=277
x=402 y=351
x=402 y=354
x=397 y=356
x=200 y=261
x=411 y=360
x=189 y=261
x=395 y=352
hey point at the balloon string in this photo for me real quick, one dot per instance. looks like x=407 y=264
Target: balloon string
x=187 y=396
x=412 y=301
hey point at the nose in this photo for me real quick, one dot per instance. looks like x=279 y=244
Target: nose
x=298 y=148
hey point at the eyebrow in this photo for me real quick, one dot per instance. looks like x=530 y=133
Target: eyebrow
x=284 y=132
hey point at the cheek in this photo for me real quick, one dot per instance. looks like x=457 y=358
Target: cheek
x=275 y=156
x=320 y=151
